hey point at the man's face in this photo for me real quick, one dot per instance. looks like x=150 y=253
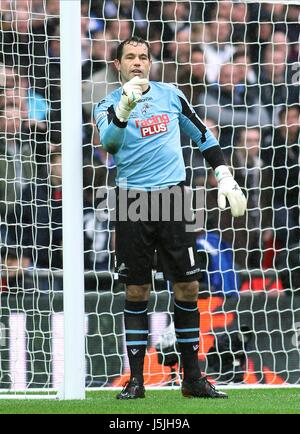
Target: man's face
x=227 y=78
x=275 y=63
x=290 y=121
x=134 y=62
x=198 y=65
x=240 y=69
x=251 y=139
x=11 y=124
x=12 y=266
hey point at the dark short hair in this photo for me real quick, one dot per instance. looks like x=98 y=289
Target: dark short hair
x=197 y=49
x=239 y=53
x=12 y=252
x=240 y=131
x=135 y=40
x=285 y=108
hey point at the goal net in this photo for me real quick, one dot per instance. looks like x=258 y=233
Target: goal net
x=238 y=64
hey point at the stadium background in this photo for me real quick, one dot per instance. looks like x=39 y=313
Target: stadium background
x=238 y=64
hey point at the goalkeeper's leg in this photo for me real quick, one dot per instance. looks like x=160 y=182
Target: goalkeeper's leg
x=135 y=245
x=187 y=324
x=136 y=332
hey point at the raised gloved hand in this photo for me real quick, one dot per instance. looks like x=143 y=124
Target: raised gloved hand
x=131 y=94
x=228 y=188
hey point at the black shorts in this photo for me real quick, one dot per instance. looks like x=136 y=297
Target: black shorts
x=145 y=228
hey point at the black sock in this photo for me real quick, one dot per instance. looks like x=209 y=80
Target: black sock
x=136 y=330
x=187 y=322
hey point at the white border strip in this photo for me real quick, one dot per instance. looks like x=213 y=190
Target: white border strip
x=28 y=396
x=223 y=387
x=31 y=395
x=17 y=349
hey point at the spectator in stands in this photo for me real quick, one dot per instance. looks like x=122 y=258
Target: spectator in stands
x=52 y=8
x=24 y=44
x=197 y=34
x=281 y=43
x=101 y=49
x=194 y=80
x=89 y=24
x=293 y=31
x=244 y=71
x=260 y=34
x=15 y=39
x=9 y=85
x=85 y=33
x=156 y=45
x=277 y=88
x=90 y=17
x=37 y=220
x=232 y=104
x=17 y=165
x=54 y=43
x=5 y=15
x=33 y=110
x=8 y=78
x=52 y=15
x=185 y=67
x=173 y=18
x=221 y=9
x=239 y=17
x=130 y=10
x=94 y=90
x=198 y=77
x=104 y=80
x=283 y=159
x=266 y=20
x=214 y=128
x=217 y=47
x=179 y=48
x=38 y=13
x=53 y=77
x=17 y=93
x=36 y=104
x=176 y=68
x=98 y=239
x=277 y=12
x=255 y=177
x=119 y=29
x=13 y=262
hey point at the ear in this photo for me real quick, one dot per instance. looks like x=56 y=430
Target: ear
x=117 y=65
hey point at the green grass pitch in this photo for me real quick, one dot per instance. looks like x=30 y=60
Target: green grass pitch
x=255 y=401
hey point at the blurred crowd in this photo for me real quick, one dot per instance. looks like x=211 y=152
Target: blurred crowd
x=236 y=62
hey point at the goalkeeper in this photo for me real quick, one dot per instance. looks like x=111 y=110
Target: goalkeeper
x=140 y=125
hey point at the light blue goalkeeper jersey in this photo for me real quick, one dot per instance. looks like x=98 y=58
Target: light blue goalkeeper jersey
x=148 y=149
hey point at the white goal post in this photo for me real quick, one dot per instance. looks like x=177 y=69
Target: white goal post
x=73 y=267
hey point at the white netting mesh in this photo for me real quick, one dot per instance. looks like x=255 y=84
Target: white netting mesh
x=238 y=64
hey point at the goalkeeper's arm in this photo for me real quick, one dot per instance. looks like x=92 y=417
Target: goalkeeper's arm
x=113 y=136
x=212 y=152
x=228 y=188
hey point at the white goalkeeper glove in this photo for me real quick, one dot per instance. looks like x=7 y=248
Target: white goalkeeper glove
x=228 y=188
x=131 y=94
